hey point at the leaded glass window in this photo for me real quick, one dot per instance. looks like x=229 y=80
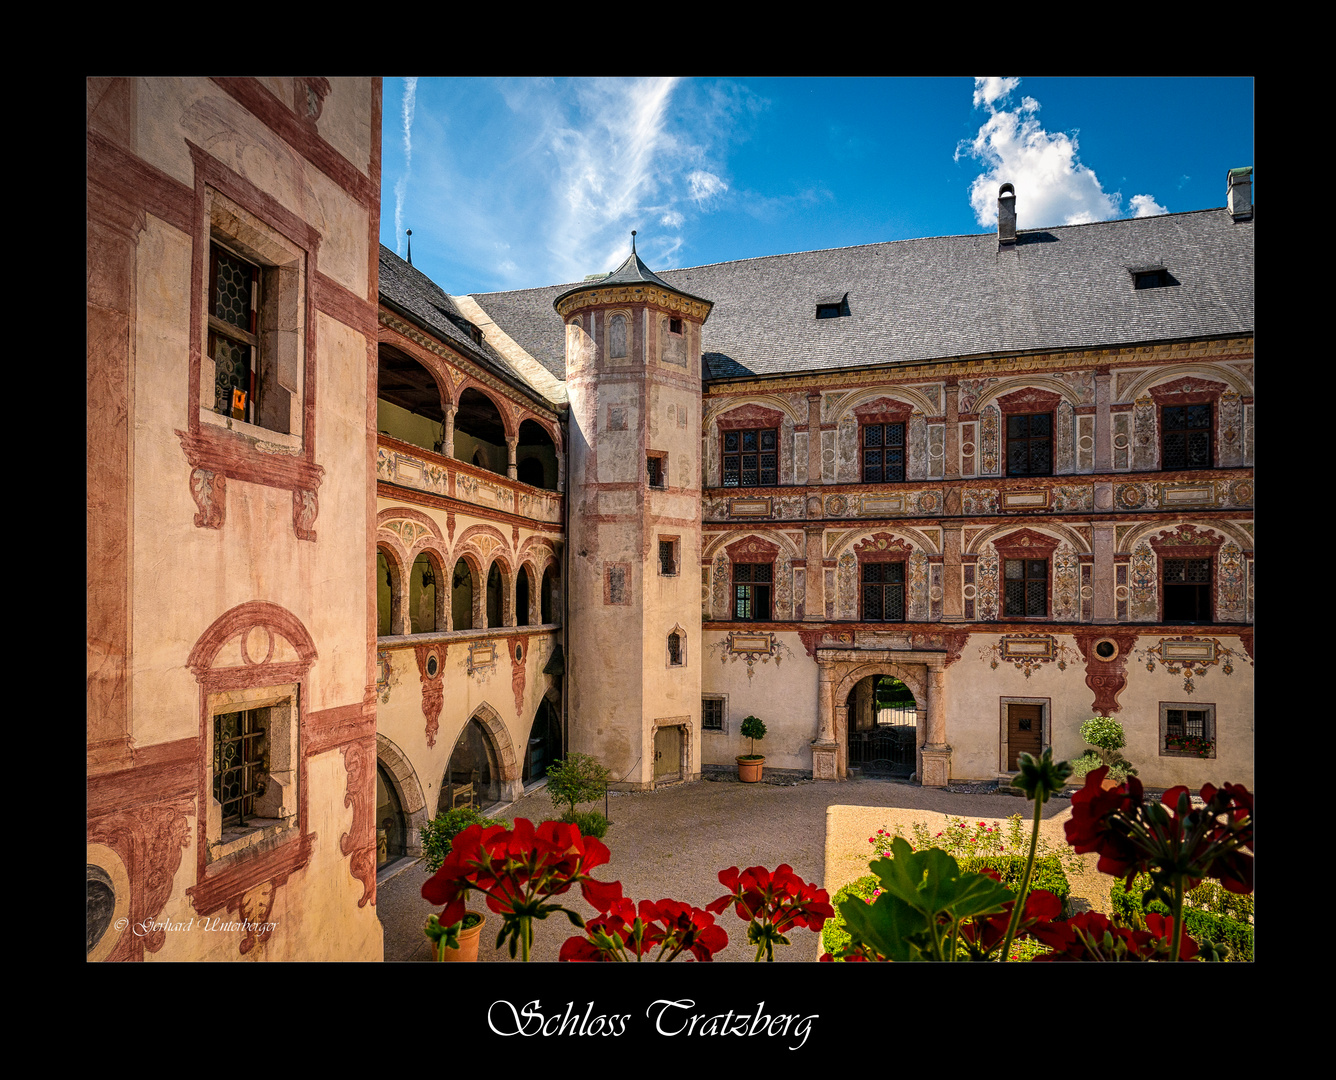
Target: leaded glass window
x=883 y=453
x=233 y=306
x=751 y=458
x=751 y=591
x=1030 y=445
x=1187 y=590
x=1026 y=588
x=240 y=773
x=884 y=592
x=1185 y=437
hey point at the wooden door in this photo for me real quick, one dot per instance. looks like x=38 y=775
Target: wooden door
x=667 y=754
x=1024 y=732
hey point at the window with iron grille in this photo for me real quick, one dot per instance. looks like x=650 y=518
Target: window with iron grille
x=1030 y=444
x=1185 y=436
x=1187 y=729
x=883 y=453
x=751 y=458
x=1026 y=588
x=884 y=591
x=668 y=558
x=712 y=714
x=1186 y=585
x=234 y=304
x=751 y=591
x=240 y=765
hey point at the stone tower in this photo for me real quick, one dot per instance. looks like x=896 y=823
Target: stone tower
x=633 y=356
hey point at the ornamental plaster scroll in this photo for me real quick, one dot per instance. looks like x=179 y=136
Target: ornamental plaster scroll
x=1027 y=652
x=433 y=685
x=1064 y=439
x=847 y=586
x=917 y=605
x=150 y=841
x=1191 y=657
x=987 y=586
x=1106 y=677
x=253 y=907
x=751 y=648
x=359 y=842
x=1231 y=593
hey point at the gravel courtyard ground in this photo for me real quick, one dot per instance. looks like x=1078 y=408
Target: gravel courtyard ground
x=673 y=842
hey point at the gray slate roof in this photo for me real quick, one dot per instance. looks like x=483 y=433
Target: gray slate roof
x=415 y=295
x=1068 y=287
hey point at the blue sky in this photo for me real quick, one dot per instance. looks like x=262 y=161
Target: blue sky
x=516 y=183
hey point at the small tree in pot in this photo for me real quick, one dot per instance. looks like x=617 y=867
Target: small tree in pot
x=749 y=765
x=1106 y=734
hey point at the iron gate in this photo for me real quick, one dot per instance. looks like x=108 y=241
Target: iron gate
x=888 y=747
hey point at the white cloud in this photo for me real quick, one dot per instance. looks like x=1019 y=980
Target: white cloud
x=409 y=105
x=673 y=219
x=1146 y=206
x=705 y=185
x=1052 y=186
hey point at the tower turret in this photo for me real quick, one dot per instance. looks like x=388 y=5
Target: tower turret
x=633 y=376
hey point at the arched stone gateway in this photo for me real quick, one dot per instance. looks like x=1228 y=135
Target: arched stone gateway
x=924 y=673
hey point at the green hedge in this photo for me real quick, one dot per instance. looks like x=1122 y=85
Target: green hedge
x=834 y=938
x=1210 y=913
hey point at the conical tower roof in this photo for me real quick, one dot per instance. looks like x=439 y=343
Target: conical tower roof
x=632 y=272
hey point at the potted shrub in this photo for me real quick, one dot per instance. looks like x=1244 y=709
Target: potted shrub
x=1106 y=735
x=749 y=765
x=467 y=936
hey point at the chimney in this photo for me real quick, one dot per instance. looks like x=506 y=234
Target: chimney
x=1006 y=216
x=1240 y=193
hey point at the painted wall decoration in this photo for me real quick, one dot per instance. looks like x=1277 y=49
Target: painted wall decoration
x=1028 y=652
x=971 y=390
x=1064 y=445
x=1066 y=584
x=917 y=466
x=987 y=586
x=1143 y=587
x=431 y=663
x=1085 y=444
x=1068 y=498
x=751 y=648
x=1232 y=584
x=1122 y=440
x=978 y=501
x=386 y=677
x=990 y=450
x=721 y=578
x=481 y=659
x=1145 y=434
x=936 y=451
x=1192 y=657
x=917 y=608
x=847 y=586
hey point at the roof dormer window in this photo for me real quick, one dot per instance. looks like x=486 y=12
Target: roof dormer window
x=832 y=307
x=1151 y=277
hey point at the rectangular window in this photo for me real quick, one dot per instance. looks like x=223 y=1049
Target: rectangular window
x=751 y=591
x=240 y=768
x=1030 y=445
x=883 y=453
x=668 y=558
x=1185 y=436
x=884 y=592
x=656 y=468
x=1026 y=588
x=1187 y=590
x=712 y=714
x=234 y=304
x=751 y=458
x=1187 y=729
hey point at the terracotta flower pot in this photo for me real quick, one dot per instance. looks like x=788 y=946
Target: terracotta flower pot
x=468 y=942
x=749 y=769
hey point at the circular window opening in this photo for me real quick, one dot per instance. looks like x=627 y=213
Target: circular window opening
x=1106 y=649
x=432 y=666
x=101 y=904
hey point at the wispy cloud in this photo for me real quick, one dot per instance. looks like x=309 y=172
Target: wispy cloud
x=409 y=105
x=1053 y=187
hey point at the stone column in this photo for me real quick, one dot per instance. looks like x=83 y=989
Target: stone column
x=512 y=444
x=814 y=438
x=952 y=442
x=448 y=439
x=1104 y=608
x=935 y=770
x=953 y=597
x=825 y=750
x=1103 y=422
x=814 y=600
